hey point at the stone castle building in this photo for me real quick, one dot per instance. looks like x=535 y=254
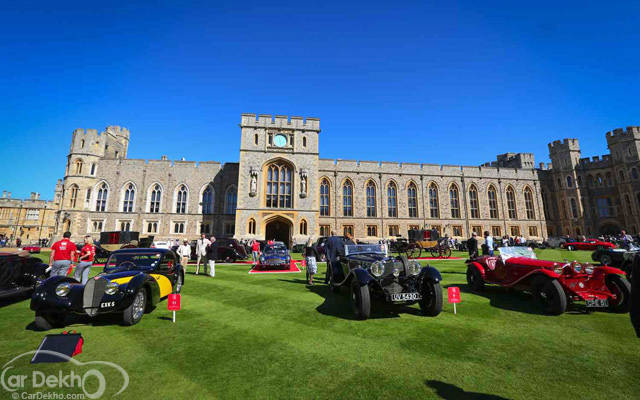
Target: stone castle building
x=600 y=195
x=30 y=220
x=282 y=189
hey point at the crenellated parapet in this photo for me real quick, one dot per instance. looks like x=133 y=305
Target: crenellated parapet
x=595 y=162
x=564 y=146
x=623 y=135
x=280 y=121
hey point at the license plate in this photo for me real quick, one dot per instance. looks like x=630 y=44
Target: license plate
x=405 y=296
x=598 y=303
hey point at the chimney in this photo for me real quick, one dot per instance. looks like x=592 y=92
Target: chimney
x=4 y=194
x=163 y=158
x=33 y=196
x=37 y=196
x=8 y=195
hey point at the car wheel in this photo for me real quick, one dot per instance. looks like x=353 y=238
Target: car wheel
x=474 y=279
x=47 y=321
x=622 y=289
x=414 y=251
x=431 y=303
x=435 y=253
x=571 y=248
x=605 y=259
x=133 y=314
x=361 y=300
x=550 y=294
x=446 y=253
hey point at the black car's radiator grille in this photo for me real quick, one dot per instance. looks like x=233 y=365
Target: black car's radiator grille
x=93 y=292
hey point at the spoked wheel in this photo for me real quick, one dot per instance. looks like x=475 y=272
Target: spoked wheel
x=571 y=248
x=621 y=288
x=605 y=259
x=435 y=252
x=551 y=296
x=361 y=300
x=414 y=251
x=179 y=283
x=134 y=313
x=431 y=303
x=446 y=253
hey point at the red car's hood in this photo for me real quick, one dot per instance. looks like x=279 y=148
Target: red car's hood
x=530 y=262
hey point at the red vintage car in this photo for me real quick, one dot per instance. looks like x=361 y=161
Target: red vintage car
x=31 y=249
x=554 y=284
x=587 y=244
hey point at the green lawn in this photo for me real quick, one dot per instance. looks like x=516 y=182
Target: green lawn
x=271 y=336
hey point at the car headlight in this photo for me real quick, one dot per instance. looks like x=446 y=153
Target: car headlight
x=377 y=268
x=588 y=269
x=63 y=289
x=414 y=268
x=396 y=272
x=112 y=288
x=577 y=268
x=558 y=269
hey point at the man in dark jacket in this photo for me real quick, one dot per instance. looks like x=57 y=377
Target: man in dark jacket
x=472 y=246
x=334 y=243
x=635 y=295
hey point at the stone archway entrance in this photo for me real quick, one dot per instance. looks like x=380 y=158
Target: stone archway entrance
x=280 y=230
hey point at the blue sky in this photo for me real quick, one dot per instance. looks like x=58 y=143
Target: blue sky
x=451 y=82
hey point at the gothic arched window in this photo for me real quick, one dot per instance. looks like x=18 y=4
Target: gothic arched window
x=412 y=200
x=347 y=199
x=73 y=196
x=371 y=199
x=207 y=200
x=528 y=203
x=129 y=196
x=154 y=204
x=279 y=186
x=325 y=201
x=434 y=204
x=474 y=206
x=392 y=200
x=230 y=200
x=454 y=199
x=79 y=164
x=511 y=203
x=101 y=199
x=493 y=202
x=181 y=200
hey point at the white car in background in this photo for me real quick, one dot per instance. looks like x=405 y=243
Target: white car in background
x=162 y=245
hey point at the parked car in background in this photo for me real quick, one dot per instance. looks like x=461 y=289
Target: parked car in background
x=32 y=249
x=369 y=272
x=554 y=284
x=553 y=242
x=228 y=249
x=588 y=244
x=275 y=255
x=162 y=244
x=132 y=283
x=20 y=274
x=619 y=258
x=319 y=248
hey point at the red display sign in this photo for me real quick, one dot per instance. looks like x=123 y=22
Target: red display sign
x=453 y=294
x=173 y=303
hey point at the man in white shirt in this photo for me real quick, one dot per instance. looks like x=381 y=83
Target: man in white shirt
x=184 y=252
x=488 y=241
x=201 y=253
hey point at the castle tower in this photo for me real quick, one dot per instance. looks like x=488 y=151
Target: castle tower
x=565 y=158
x=564 y=155
x=278 y=178
x=624 y=145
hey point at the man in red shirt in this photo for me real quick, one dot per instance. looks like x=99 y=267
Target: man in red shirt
x=85 y=261
x=62 y=253
x=255 y=251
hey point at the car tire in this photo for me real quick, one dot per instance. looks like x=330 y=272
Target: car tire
x=622 y=289
x=431 y=303
x=606 y=259
x=550 y=295
x=47 y=321
x=134 y=313
x=571 y=248
x=361 y=300
x=179 y=283
x=474 y=279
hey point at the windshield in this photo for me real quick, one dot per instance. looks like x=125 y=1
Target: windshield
x=516 y=251
x=352 y=249
x=276 y=247
x=132 y=260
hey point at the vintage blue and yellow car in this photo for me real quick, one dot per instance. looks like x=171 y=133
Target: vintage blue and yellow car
x=369 y=272
x=133 y=282
x=274 y=255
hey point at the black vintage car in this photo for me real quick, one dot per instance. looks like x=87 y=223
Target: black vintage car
x=20 y=274
x=133 y=282
x=369 y=272
x=619 y=258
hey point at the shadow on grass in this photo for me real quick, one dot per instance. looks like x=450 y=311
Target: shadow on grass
x=449 y=391
x=339 y=304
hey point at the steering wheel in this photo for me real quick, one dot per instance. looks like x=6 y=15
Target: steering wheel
x=127 y=264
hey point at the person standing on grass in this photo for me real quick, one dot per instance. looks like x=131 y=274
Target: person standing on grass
x=87 y=254
x=310 y=260
x=201 y=253
x=488 y=242
x=212 y=256
x=472 y=245
x=184 y=252
x=62 y=253
x=255 y=252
